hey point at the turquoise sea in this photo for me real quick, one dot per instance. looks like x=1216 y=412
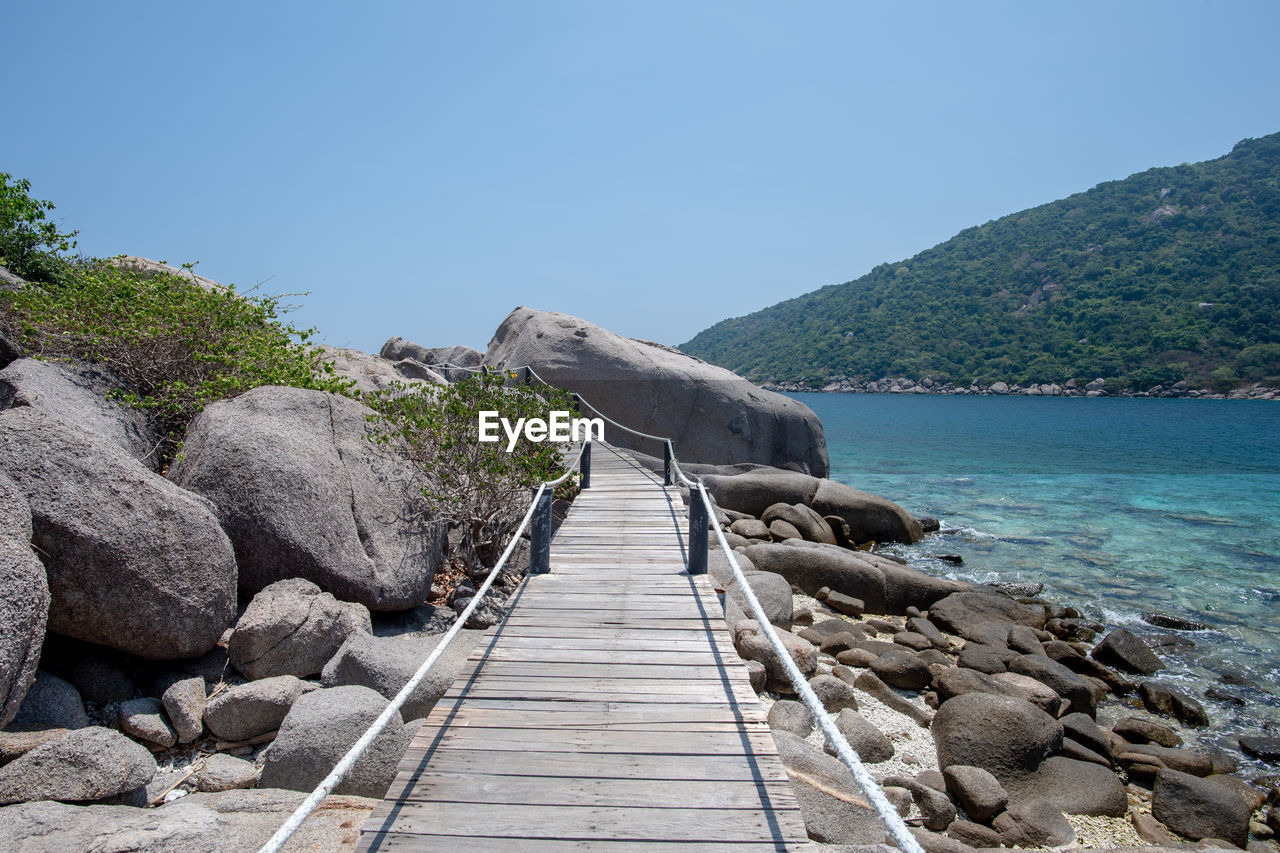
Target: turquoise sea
x=1119 y=506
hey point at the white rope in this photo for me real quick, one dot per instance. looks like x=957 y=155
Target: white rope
x=344 y=766
x=888 y=814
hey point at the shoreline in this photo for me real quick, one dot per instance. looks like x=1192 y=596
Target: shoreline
x=1093 y=389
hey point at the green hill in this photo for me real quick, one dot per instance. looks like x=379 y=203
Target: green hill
x=1173 y=273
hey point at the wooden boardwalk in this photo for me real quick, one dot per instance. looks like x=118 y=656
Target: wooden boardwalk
x=608 y=710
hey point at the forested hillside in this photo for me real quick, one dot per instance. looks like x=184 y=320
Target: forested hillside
x=1169 y=274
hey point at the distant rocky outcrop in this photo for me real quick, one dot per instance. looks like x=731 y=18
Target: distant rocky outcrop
x=303 y=494
x=410 y=359
x=372 y=373
x=710 y=414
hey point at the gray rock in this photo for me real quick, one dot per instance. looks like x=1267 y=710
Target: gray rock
x=965 y=613
x=1137 y=730
x=788 y=715
x=927 y=629
x=973 y=834
x=1023 y=638
x=934 y=842
x=24 y=601
x=1198 y=808
x=883 y=585
x=76 y=394
x=222 y=772
x=978 y=792
x=1074 y=787
x=319 y=729
x=1266 y=748
x=303 y=493
x=1036 y=692
x=248 y=710
x=184 y=701
x=936 y=808
x=846 y=604
x=372 y=373
x=984 y=658
x=51 y=702
x=97 y=512
x=1183 y=760
x=711 y=415
x=912 y=640
x=781 y=531
x=1057 y=677
x=772 y=591
x=868 y=682
x=834 y=808
x=99 y=674
x=957 y=681
x=804 y=520
x=293 y=628
x=868 y=741
x=400 y=351
x=143 y=719
x=1007 y=737
x=902 y=668
x=81 y=766
x=1163 y=699
x=227 y=822
x=752 y=492
x=750 y=528
x=1124 y=651
x=386 y=664
x=834 y=694
x=1082 y=729
x=752 y=644
x=1033 y=824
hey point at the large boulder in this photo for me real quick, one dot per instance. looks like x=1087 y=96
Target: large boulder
x=51 y=702
x=225 y=822
x=303 y=493
x=76 y=393
x=133 y=561
x=293 y=628
x=320 y=728
x=973 y=615
x=1123 y=650
x=248 y=710
x=870 y=518
x=24 y=601
x=1006 y=736
x=371 y=373
x=438 y=359
x=386 y=664
x=81 y=766
x=884 y=586
x=772 y=591
x=1199 y=808
x=710 y=414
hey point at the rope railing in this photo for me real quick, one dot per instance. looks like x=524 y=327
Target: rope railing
x=538 y=507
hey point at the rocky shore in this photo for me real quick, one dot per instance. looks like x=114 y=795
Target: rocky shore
x=991 y=717
x=1071 y=388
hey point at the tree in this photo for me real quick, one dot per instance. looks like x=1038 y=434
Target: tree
x=30 y=245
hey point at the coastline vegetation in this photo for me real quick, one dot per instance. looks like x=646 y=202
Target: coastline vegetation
x=1170 y=274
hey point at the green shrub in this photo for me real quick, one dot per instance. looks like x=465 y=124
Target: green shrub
x=175 y=345
x=478 y=488
x=30 y=245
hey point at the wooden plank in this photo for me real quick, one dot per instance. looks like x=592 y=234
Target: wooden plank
x=670 y=825
x=391 y=842
x=564 y=765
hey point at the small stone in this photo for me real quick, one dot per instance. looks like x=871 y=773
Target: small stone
x=845 y=604
x=1198 y=808
x=144 y=720
x=868 y=741
x=1124 y=650
x=184 y=702
x=1149 y=829
x=1033 y=823
x=978 y=792
x=790 y=716
x=834 y=694
x=225 y=773
x=902 y=669
x=1265 y=748
x=973 y=834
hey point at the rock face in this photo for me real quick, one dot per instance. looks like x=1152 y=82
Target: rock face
x=81 y=766
x=24 y=601
x=292 y=628
x=319 y=730
x=398 y=350
x=371 y=373
x=76 y=393
x=866 y=516
x=133 y=561
x=710 y=414
x=302 y=493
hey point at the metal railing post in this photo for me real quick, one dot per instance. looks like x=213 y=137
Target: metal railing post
x=698 y=523
x=526 y=375
x=585 y=465
x=666 y=464
x=540 y=536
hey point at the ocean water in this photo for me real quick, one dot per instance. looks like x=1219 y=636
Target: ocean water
x=1119 y=506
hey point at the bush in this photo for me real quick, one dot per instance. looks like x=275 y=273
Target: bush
x=477 y=487
x=30 y=245
x=175 y=345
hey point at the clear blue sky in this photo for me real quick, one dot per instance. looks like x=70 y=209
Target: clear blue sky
x=654 y=167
